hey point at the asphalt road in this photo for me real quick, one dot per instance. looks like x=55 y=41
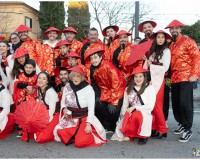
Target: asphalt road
x=166 y=148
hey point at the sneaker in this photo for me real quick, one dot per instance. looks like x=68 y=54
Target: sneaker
x=186 y=136
x=179 y=130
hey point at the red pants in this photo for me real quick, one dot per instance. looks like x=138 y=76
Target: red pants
x=47 y=134
x=131 y=127
x=81 y=138
x=10 y=127
x=159 y=123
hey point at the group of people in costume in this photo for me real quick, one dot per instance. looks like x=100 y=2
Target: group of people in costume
x=91 y=88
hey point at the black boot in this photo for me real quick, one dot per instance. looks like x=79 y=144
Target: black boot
x=159 y=135
x=142 y=141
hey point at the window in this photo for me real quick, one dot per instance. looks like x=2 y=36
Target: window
x=28 y=22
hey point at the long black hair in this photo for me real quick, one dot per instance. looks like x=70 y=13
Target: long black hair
x=17 y=66
x=158 y=49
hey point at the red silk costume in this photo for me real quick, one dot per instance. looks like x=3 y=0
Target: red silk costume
x=111 y=82
x=76 y=46
x=185 y=59
x=21 y=95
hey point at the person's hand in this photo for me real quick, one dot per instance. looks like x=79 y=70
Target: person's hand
x=192 y=79
x=144 y=58
x=88 y=128
x=112 y=109
x=29 y=88
x=130 y=110
x=149 y=62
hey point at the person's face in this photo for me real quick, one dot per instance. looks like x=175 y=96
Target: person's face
x=63 y=75
x=148 y=29
x=77 y=78
x=95 y=59
x=3 y=48
x=23 y=35
x=110 y=32
x=52 y=35
x=21 y=60
x=175 y=30
x=137 y=41
x=123 y=39
x=72 y=61
x=70 y=36
x=139 y=79
x=64 y=50
x=42 y=80
x=160 y=39
x=29 y=68
x=93 y=36
x=14 y=39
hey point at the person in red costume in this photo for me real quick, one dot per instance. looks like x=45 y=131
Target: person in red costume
x=135 y=118
x=48 y=96
x=109 y=85
x=52 y=33
x=73 y=59
x=86 y=35
x=120 y=55
x=158 y=62
x=70 y=34
x=36 y=51
x=77 y=123
x=25 y=84
x=146 y=27
x=94 y=42
x=111 y=33
x=185 y=62
x=7 y=122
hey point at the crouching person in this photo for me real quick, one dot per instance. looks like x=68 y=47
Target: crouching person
x=77 y=123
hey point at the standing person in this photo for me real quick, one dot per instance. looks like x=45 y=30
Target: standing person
x=7 y=123
x=94 y=42
x=70 y=34
x=86 y=35
x=35 y=49
x=139 y=100
x=48 y=96
x=81 y=127
x=146 y=27
x=185 y=62
x=111 y=33
x=15 y=42
x=109 y=85
x=158 y=62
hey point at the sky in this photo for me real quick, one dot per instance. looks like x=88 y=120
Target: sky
x=163 y=11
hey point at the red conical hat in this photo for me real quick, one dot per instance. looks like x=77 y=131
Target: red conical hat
x=161 y=31
x=116 y=28
x=61 y=43
x=19 y=52
x=69 y=29
x=175 y=23
x=77 y=69
x=23 y=28
x=140 y=26
x=139 y=69
x=121 y=32
x=72 y=54
x=52 y=29
x=92 y=51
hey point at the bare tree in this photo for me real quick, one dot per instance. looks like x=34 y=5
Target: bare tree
x=117 y=13
x=5 y=20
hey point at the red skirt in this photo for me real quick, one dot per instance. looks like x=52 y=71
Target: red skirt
x=78 y=136
x=10 y=127
x=131 y=125
x=47 y=134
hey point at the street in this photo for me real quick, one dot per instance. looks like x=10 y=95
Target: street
x=165 y=148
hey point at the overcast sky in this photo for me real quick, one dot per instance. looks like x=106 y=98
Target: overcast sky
x=164 y=11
